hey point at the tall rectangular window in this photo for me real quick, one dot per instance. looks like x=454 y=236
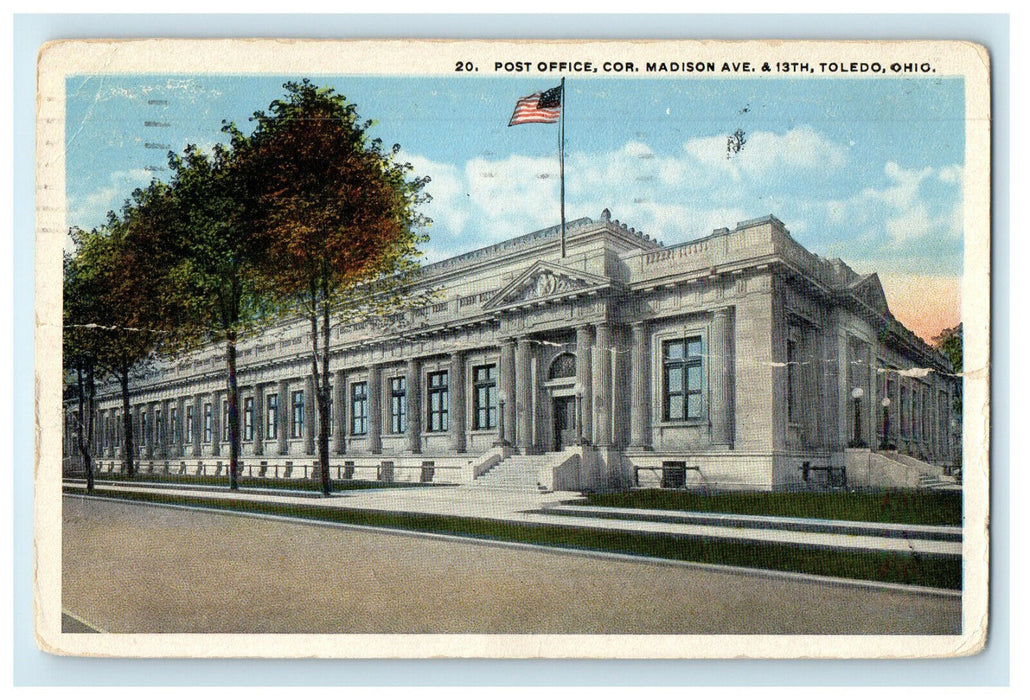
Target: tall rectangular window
x=189 y=425
x=484 y=397
x=359 y=408
x=272 y=417
x=248 y=418
x=173 y=428
x=889 y=428
x=225 y=421
x=207 y=422
x=160 y=427
x=398 y=405
x=903 y=411
x=915 y=413
x=297 y=424
x=437 y=402
x=681 y=379
x=143 y=428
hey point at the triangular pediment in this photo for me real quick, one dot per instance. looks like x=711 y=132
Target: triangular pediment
x=544 y=280
x=870 y=292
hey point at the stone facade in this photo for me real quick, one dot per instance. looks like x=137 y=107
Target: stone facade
x=739 y=360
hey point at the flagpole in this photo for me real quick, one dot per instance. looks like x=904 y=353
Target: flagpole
x=561 y=164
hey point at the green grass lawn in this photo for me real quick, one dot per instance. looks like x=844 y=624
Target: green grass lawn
x=938 y=572
x=908 y=507
x=256 y=482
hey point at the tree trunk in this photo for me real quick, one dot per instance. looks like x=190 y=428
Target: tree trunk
x=234 y=414
x=83 y=437
x=316 y=375
x=323 y=404
x=91 y=395
x=128 y=454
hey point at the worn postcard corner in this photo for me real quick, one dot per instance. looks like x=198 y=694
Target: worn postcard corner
x=487 y=349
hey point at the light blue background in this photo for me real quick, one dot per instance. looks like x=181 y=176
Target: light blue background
x=32 y=667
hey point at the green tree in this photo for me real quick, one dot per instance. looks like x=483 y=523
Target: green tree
x=111 y=318
x=212 y=256
x=80 y=350
x=339 y=216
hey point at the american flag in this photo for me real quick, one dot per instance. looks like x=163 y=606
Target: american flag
x=538 y=108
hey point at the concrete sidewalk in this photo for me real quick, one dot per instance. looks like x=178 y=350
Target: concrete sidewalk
x=559 y=508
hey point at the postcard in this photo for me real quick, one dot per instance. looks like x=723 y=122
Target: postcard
x=534 y=349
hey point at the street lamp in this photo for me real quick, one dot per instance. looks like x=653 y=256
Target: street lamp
x=579 y=414
x=886 y=403
x=857 y=395
x=501 y=440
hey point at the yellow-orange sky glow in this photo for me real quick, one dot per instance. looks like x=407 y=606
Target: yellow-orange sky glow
x=926 y=304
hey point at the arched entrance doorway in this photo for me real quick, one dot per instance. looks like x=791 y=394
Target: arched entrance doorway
x=561 y=380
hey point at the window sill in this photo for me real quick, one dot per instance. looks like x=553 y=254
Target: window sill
x=692 y=423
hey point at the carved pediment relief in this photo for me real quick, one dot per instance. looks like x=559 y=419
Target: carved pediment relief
x=544 y=280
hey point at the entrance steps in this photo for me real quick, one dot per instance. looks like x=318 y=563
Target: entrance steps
x=516 y=473
x=942 y=482
x=889 y=469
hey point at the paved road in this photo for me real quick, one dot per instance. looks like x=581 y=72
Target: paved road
x=137 y=568
x=533 y=507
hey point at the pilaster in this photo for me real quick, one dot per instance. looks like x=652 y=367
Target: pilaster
x=375 y=410
x=414 y=406
x=310 y=414
x=722 y=377
x=457 y=396
x=523 y=396
x=258 y=420
x=640 y=387
x=283 y=411
x=603 y=386
x=339 y=412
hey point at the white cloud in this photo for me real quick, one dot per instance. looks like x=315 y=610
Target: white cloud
x=914 y=205
x=688 y=193
x=89 y=210
x=674 y=197
x=765 y=153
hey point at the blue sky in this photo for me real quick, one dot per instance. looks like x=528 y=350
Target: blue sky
x=868 y=170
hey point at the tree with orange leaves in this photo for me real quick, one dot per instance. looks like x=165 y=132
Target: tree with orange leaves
x=338 y=214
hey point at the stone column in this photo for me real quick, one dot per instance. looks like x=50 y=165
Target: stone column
x=721 y=354
x=258 y=420
x=98 y=432
x=457 y=396
x=523 y=396
x=640 y=388
x=283 y=411
x=216 y=423
x=180 y=422
x=198 y=424
x=585 y=377
x=844 y=402
x=375 y=409
x=874 y=411
x=339 y=412
x=507 y=386
x=603 y=386
x=152 y=430
x=137 y=429
x=310 y=413
x=167 y=429
x=414 y=407
x=105 y=427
